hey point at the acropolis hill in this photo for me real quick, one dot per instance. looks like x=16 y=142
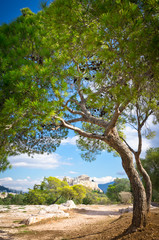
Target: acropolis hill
x=83 y=180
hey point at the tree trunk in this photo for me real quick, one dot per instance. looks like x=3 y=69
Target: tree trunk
x=138 y=191
x=147 y=180
x=56 y=199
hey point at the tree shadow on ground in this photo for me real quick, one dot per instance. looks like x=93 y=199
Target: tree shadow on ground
x=100 y=232
x=96 y=212
x=4 y=238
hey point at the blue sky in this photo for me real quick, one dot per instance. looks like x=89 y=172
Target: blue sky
x=10 y=9
x=66 y=161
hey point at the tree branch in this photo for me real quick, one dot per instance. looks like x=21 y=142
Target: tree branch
x=80 y=131
x=131 y=149
x=75 y=120
x=114 y=119
x=74 y=112
x=140 y=125
x=87 y=117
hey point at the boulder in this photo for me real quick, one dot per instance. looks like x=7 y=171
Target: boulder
x=52 y=208
x=125 y=210
x=42 y=212
x=68 y=205
x=38 y=218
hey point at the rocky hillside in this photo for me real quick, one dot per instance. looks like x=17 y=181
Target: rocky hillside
x=83 y=180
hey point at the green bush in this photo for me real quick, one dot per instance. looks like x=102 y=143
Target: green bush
x=118 y=186
x=95 y=197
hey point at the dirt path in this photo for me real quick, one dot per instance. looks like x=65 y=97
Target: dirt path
x=86 y=222
x=83 y=215
x=80 y=217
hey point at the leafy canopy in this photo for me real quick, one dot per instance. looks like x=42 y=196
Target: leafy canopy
x=53 y=190
x=75 y=65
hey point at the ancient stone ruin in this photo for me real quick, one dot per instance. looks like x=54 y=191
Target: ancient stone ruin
x=83 y=180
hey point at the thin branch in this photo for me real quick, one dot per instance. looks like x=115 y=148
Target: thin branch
x=80 y=131
x=75 y=112
x=87 y=117
x=146 y=117
x=132 y=125
x=139 y=131
x=132 y=150
x=75 y=120
x=140 y=125
x=8 y=127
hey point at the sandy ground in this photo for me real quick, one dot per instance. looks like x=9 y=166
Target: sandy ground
x=10 y=220
x=86 y=222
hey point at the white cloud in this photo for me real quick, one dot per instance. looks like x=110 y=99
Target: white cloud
x=132 y=138
x=25 y=183
x=71 y=141
x=103 y=179
x=43 y=161
x=19 y=184
x=72 y=172
x=7 y=179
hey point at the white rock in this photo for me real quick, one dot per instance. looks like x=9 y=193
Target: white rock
x=52 y=208
x=82 y=180
x=69 y=204
x=4 y=210
x=55 y=206
x=38 y=218
x=42 y=211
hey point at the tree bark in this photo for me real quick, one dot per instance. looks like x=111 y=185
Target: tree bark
x=147 y=180
x=139 y=196
x=56 y=199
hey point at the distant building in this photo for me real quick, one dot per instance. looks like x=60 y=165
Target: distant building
x=5 y=194
x=83 y=180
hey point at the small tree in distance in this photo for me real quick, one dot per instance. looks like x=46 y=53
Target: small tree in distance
x=119 y=185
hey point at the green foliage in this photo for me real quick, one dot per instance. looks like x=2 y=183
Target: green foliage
x=118 y=186
x=94 y=197
x=52 y=183
x=107 y=51
x=36 y=197
x=4 y=163
x=80 y=193
x=16 y=199
x=151 y=165
x=50 y=191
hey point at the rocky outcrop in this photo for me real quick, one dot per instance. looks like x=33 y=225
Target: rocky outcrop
x=68 y=205
x=51 y=211
x=44 y=216
x=83 y=180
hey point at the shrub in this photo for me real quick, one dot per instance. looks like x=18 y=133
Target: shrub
x=125 y=197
